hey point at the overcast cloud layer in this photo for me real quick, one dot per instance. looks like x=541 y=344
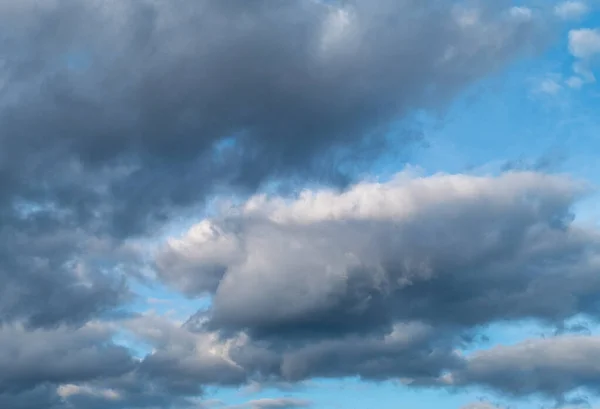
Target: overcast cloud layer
x=118 y=117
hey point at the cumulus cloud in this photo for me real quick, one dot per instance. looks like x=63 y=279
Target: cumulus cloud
x=383 y=280
x=571 y=10
x=584 y=45
x=33 y=358
x=114 y=115
x=52 y=274
x=584 y=42
x=552 y=366
x=37 y=363
x=447 y=249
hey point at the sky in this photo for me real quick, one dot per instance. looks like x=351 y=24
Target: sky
x=292 y=204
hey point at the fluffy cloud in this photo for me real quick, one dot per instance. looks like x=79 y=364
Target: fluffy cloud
x=448 y=249
x=114 y=115
x=383 y=280
x=37 y=363
x=552 y=366
x=33 y=358
x=52 y=274
x=571 y=9
x=584 y=42
x=584 y=45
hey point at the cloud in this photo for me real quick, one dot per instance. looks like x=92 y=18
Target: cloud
x=584 y=45
x=571 y=10
x=384 y=280
x=273 y=403
x=584 y=42
x=35 y=363
x=50 y=274
x=39 y=397
x=549 y=86
x=552 y=366
x=183 y=358
x=134 y=113
x=446 y=249
x=116 y=117
x=480 y=405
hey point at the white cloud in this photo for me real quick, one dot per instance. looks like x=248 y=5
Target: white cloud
x=571 y=10
x=584 y=43
x=575 y=82
x=549 y=86
x=67 y=390
x=522 y=13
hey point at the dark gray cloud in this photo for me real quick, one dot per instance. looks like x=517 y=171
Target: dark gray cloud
x=66 y=368
x=39 y=397
x=123 y=110
x=32 y=359
x=57 y=274
x=42 y=367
